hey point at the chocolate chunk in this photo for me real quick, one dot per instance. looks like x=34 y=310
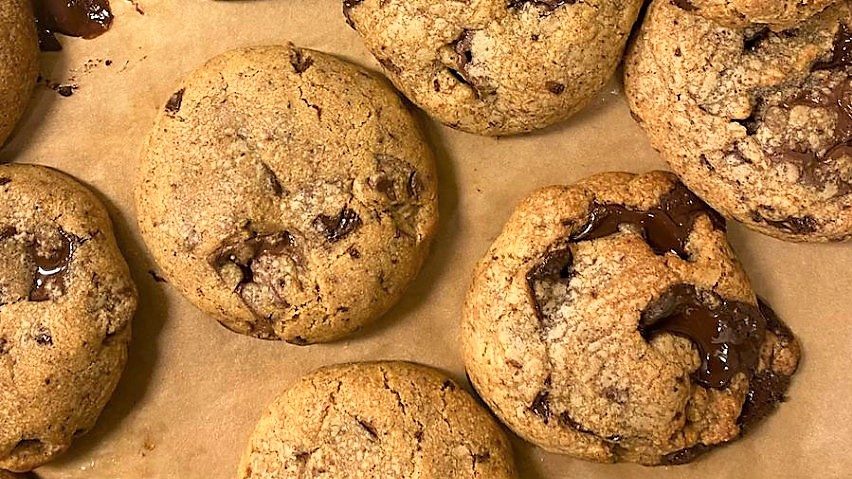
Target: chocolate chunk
x=555 y=87
x=666 y=228
x=51 y=269
x=338 y=227
x=4 y=346
x=353 y=252
x=76 y=18
x=448 y=385
x=566 y=420
x=554 y=264
x=348 y=5
x=7 y=232
x=753 y=40
x=243 y=251
x=841 y=53
x=792 y=224
x=766 y=390
x=541 y=406
x=685 y=455
x=371 y=431
x=65 y=90
x=415 y=186
x=5 y=181
x=547 y=5
x=481 y=457
x=274 y=182
x=684 y=5
x=728 y=336
x=43 y=337
x=299 y=60
x=173 y=105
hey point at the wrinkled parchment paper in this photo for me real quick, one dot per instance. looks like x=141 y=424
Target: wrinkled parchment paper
x=192 y=390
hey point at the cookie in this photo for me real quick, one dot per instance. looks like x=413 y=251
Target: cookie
x=775 y=14
x=611 y=321
x=66 y=302
x=496 y=67
x=18 y=62
x=377 y=420
x=287 y=193
x=756 y=122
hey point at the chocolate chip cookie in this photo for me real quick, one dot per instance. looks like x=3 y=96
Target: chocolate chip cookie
x=611 y=321
x=758 y=123
x=287 y=193
x=377 y=420
x=778 y=15
x=66 y=302
x=18 y=62
x=496 y=67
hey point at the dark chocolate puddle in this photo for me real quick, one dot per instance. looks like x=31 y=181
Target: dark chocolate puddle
x=74 y=18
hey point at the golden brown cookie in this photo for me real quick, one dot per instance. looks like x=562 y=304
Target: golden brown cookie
x=758 y=123
x=377 y=420
x=611 y=321
x=287 y=193
x=66 y=302
x=496 y=67
x=18 y=62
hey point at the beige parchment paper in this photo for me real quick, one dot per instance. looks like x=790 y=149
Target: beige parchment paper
x=192 y=390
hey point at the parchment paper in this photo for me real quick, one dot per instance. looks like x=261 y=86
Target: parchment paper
x=193 y=391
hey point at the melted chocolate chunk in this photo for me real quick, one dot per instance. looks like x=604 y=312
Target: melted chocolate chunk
x=300 y=61
x=752 y=41
x=338 y=227
x=555 y=87
x=541 y=406
x=243 y=253
x=51 y=269
x=369 y=428
x=841 y=53
x=685 y=455
x=791 y=224
x=174 y=103
x=728 y=336
x=666 y=228
x=76 y=18
x=5 y=181
x=547 y=5
x=684 y=5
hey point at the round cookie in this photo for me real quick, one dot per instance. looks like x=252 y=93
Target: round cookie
x=496 y=67
x=287 y=193
x=591 y=325
x=377 y=419
x=66 y=302
x=774 y=14
x=757 y=123
x=18 y=62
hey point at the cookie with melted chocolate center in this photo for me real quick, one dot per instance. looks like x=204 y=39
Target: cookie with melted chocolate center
x=66 y=303
x=611 y=321
x=496 y=67
x=758 y=123
x=388 y=419
x=287 y=193
x=18 y=62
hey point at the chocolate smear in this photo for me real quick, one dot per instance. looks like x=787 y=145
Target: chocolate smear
x=75 y=18
x=728 y=336
x=666 y=227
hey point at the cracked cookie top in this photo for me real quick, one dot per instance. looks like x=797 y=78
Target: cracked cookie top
x=287 y=193
x=757 y=122
x=18 y=62
x=66 y=302
x=496 y=67
x=611 y=321
x=377 y=419
x=776 y=14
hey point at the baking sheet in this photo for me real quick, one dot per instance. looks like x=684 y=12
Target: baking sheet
x=192 y=390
